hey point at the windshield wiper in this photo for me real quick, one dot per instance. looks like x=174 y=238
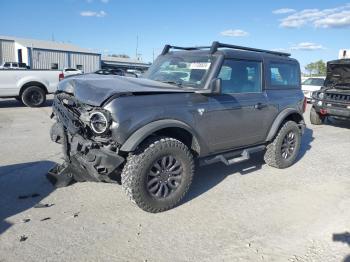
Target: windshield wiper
x=179 y=84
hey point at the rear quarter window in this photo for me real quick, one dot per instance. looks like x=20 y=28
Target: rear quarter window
x=284 y=75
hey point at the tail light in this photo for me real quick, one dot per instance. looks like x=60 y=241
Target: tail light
x=60 y=76
x=304 y=104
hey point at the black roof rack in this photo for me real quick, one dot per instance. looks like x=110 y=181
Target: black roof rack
x=216 y=45
x=168 y=47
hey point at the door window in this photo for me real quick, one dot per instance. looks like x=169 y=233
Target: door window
x=240 y=76
x=284 y=75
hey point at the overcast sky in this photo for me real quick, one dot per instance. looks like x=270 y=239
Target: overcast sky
x=310 y=30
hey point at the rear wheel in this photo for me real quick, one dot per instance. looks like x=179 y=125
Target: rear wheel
x=284 y=149
x=158 y=175
x=33 y=96
x=316 y=118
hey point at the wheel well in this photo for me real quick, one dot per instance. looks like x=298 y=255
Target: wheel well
x=182 y=135
x=276 y=126
x=38 y=84
x=297 y=118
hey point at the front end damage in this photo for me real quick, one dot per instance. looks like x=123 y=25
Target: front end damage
x=90 y=154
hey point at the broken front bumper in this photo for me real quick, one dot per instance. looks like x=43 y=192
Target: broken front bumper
x=85 y=160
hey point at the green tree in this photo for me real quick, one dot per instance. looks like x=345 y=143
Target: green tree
x=320 y=67
x=310 y=68
x=316 y=68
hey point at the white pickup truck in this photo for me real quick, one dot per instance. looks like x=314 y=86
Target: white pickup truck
x=29 y=86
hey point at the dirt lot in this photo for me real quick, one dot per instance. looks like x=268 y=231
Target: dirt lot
x=247 y=212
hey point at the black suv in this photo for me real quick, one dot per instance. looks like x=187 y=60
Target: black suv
x=217 y=103
x=333 y=100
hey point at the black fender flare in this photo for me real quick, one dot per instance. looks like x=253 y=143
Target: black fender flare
x=141 y=134
x=278 y=121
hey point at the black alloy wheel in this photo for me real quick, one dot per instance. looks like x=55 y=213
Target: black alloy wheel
x=288 y=145
x=164 y=177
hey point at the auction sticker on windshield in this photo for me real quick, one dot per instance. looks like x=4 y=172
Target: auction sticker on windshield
x=204 y=66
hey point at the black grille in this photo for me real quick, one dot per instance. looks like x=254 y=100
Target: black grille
x=66 y=114
x=337 y=97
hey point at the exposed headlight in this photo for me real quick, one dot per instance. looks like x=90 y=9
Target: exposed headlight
x=320 y=95
x=99 y=122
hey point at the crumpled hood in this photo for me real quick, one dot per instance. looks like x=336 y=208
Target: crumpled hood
x=94 y=89
x=338 y=73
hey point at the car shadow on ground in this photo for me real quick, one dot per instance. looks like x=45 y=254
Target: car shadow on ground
x=343 y=238
x=7 y=103
x=207 y=177
x=306 y=143
x=22 y=186
x=338 y=123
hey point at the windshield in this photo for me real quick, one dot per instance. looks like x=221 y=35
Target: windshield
x=183 y=70
x=314 y=82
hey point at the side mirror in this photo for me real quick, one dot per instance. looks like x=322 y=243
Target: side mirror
x=215 y=86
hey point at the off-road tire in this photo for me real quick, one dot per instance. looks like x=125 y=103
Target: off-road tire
x=315 y=117
x=33 y=96
x=273 y=155
x=136 y=170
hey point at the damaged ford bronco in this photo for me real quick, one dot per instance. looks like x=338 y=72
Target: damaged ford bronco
x=333 y=100
x=218 y=103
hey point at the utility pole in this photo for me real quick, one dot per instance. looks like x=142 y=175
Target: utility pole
x=137 y=47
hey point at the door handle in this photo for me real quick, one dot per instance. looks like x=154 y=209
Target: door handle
x=259 y=106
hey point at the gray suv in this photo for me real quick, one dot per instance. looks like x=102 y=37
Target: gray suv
x=217 y=103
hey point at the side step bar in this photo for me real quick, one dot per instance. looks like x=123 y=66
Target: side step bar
x=233 y=157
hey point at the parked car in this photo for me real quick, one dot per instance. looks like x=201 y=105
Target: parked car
x=235 y=102
x=333 y=100
x=14 y=65
x=72 y=71
x=118 y=72
x=138 y=73
x=312 y=84
x=29 y=86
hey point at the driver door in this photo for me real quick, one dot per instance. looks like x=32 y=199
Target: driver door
x=239 y=116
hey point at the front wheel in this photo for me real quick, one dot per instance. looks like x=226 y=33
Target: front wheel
x=284 y=149
x=316 y=118
x=33 y=96
x=158 y=174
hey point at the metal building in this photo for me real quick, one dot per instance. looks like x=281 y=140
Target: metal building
x=39 y=54
x=124 y=63
x=7 y=51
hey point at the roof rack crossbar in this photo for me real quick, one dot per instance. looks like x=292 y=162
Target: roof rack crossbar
x=216 y=45
x=167 y=48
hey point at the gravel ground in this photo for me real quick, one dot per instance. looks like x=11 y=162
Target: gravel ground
x=246 y=212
